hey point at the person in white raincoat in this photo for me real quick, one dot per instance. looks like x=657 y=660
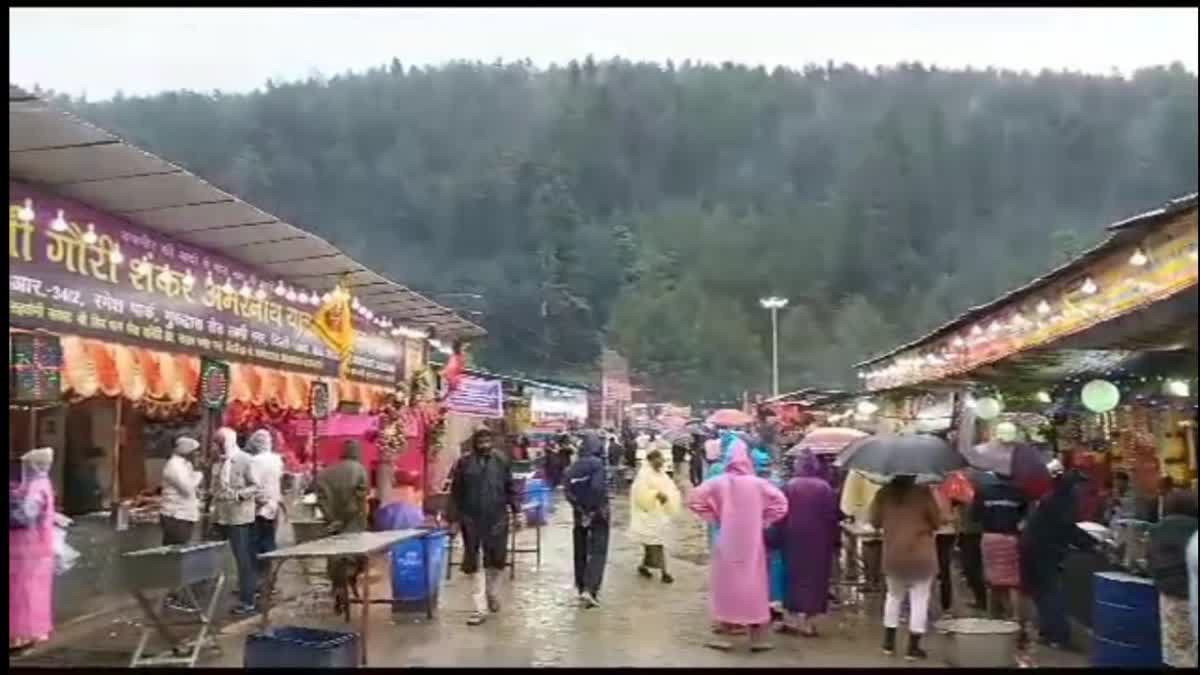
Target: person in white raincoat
x=655 y=498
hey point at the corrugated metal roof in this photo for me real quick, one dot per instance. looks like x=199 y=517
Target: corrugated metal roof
x=1121 y=234
x=56 y=150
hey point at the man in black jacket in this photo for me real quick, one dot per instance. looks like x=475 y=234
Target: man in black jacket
x=587 y=491
x=482 y=493
x=1049 y=533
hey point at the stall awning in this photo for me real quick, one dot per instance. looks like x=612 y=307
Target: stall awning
x=62 y=153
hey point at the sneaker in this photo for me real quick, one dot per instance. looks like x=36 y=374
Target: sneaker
x=914 y=649
x=645 y=572
x=590 y=600
x=476 y=619
x=244 y=610
x=667 y=578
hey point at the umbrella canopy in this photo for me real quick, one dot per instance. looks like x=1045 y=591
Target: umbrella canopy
x=729 y=417
x=679 y=437
x=828 y=440
x=879 y=458
x=991 y=456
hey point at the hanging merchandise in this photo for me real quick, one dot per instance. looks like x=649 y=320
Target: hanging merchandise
x=318 y=400
x=36 y=364
x=1100 y=396
x=214 y=383
x=988 y=408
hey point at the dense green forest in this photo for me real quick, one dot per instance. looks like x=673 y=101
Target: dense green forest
x=648 y=206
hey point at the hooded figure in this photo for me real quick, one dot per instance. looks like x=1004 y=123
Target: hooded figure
x=654 y=499
x=587 y=492
x=234 y=492
x=31 y=552
x=482 y=496
x=742 y=505
x=268 y=474
x=1049 y=533
x=342 y=491
x=808 y=539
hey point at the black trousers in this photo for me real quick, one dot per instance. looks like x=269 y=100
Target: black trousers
x=591 y=554
x=489 y=538
x=945 y=556
x=970 y=554
x=264 y=542
x=176 y=531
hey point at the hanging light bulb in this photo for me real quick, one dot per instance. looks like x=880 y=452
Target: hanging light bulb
x=291 y=295
x=996 y=327
x=976 y=330
x=26 y=213
x=1138 y=259
x=260 y=294
x=116 y=257
x=59 y=224
x=313 y=299
x=1043 y=308
x=1192 y=253
x=90 y=237
x=189 y=280
x=228 y=286
x=1043 y=396
x=327 y=297
x=280 y=289
x=245 y=290
x=959 y=342
x=1089 y=287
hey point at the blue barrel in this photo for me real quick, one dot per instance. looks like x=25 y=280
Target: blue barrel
x=297 y=647
x=1125 y=622
x=537 y=503
x=410 y=577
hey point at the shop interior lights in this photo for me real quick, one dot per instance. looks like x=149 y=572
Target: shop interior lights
x=1043 y=308
x=90 y=237
x=1138 y=259
x=260 y=294
x=1089 y=287
x=959 y=342
x=188 y=279
x=228 y=287
x=26 y=213
x=116 y=256
x=1043 y=396
x=59 y=224
x=280 y=289
x=290 y=296
x=246 y=291
x=1178 y=388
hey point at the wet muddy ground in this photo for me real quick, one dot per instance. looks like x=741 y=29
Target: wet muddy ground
x=642 y=622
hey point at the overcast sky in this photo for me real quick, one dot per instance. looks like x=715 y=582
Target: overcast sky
x=141 y=51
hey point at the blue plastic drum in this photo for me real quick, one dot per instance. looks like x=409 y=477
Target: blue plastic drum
x=410 y=578
x=1125 y=622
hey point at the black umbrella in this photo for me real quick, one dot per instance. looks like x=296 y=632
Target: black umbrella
x=929 y=458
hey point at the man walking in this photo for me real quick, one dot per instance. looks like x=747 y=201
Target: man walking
x=482 y=494
x=342 y=491
x=234 y=492
x=587 y=491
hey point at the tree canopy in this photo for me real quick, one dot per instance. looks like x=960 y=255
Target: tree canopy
x=648 y=206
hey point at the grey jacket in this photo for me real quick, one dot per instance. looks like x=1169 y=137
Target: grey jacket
x=234 y=490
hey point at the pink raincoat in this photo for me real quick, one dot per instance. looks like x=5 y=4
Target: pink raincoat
x=742 y=505
x=31 y=568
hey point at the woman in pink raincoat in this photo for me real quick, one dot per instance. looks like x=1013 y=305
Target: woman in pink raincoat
x=743 y=506
x=31 y=553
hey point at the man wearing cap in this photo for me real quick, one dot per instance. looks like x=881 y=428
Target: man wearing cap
x=180 y=504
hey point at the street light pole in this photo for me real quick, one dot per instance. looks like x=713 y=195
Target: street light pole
x=774 y=303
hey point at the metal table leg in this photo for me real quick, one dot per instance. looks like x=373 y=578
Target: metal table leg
x=366 y=605
x=427 y=577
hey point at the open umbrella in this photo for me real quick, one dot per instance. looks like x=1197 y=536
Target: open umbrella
x=991 y=456
x=729 y=417
x=827 y=440
x=929 y=458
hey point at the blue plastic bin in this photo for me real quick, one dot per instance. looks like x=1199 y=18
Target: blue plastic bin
x=408 y=566
x=538 y=502
x=297 y=647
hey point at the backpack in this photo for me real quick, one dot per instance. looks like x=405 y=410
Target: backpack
x=587 y=491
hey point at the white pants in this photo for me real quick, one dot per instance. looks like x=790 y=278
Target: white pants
x=484 y=584
x=918 y=603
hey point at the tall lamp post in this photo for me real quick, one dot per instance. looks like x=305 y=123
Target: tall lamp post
x=774 y=303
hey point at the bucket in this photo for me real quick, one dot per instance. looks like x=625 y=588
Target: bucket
x=979 y=643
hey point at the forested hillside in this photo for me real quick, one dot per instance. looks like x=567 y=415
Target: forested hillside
x=649 y=206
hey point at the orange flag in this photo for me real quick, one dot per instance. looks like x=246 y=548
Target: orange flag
x=334 y=324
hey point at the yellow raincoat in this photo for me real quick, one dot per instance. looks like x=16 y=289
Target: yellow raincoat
x=650 y=520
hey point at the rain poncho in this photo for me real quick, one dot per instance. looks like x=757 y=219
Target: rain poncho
x=744 y=505
x=807 y=538
x=649 y=519
x=31 y=563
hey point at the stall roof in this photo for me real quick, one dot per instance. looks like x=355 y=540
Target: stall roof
x=1121 y=234
x=59 y=151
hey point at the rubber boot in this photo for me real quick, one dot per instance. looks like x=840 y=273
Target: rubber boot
x=914 y=648
x=889 y=641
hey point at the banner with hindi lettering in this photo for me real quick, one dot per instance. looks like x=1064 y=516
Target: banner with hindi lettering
x=92 y=274
x=477 y=397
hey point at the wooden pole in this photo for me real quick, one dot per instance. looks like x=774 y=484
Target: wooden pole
x=116 y=453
